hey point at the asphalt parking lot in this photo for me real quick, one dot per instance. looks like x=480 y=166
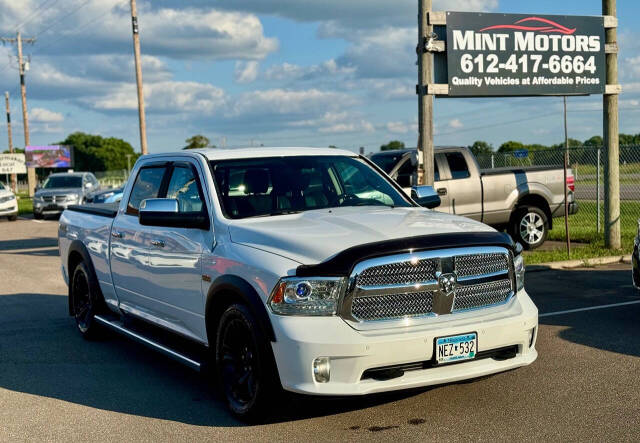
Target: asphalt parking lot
x=55 y=386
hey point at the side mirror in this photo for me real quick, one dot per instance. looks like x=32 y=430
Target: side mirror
x=165 y=212
x=426 y=196
x=88 y=185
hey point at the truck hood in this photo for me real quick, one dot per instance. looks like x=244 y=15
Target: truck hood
x=315 y=236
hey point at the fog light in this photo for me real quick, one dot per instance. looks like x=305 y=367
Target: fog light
x=532 y=336
x=322 y=369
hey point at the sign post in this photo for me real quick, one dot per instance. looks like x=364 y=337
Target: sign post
x=502 y=55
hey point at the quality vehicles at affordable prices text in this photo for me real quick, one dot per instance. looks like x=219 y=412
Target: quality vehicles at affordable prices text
x=301 y=269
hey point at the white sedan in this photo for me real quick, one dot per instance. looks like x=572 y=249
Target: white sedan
x=8 y=203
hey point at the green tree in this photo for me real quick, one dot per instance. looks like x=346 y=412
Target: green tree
x=573 y=143
x=481 y=148
x=595 y=141
x=511 y=146
x=95 y=153
x=198 y=142
x=392 y=145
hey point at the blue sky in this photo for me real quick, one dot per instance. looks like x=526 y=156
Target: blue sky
x=277 y=72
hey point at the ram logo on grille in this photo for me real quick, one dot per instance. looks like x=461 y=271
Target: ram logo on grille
x=445 y=296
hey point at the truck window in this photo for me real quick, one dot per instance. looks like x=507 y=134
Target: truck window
x=147 y=185
x=275 y=186
x=184 y=188
x=457 y=165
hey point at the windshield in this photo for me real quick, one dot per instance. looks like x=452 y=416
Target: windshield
x=63 y=181
x=3 y=187
x=276 y=186
x=387 y=162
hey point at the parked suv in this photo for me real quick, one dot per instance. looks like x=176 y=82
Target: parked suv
x=307 y=270
x=61 y=190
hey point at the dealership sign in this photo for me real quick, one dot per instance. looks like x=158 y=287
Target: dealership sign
x=516 y=54
x=12 y=164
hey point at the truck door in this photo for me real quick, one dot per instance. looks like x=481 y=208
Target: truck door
x=174 y=287
x=129 y=251
x=463 y=191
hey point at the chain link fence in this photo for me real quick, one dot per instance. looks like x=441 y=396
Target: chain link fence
x=588 y=166
x=112 y=179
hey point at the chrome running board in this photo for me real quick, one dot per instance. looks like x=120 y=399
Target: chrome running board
x=120 y=328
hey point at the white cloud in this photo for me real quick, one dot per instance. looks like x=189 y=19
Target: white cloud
x=289 y=102
x=359 y=13
x=164 y=97
x=397 y=127
x=42 y=115
x=246 y=72
x=455 y=123
x=343 y=128
x=173 y=31
x=291 y=72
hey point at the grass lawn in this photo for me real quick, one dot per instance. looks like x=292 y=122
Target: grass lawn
x=25 y=204
x=582 y=227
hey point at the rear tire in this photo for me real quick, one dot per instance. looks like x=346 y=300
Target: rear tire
x=244 y=365
x=38 y=216
x=86 y=303
x=530 y=227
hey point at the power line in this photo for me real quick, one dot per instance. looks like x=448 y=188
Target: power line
x=55 y=22
x=35 y=13
x=75 y=30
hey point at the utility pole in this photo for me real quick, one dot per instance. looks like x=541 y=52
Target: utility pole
x=136 y=52
x=566 y=190
x=611 y=139
x=14 y=178
x=31 y=172
x=425 y=100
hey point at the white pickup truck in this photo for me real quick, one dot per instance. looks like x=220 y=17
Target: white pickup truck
x=307 y=270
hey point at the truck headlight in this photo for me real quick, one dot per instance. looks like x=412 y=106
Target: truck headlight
x=518 y=269
x=307 y=296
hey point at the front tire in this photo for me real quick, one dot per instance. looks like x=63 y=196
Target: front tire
x=530 y=227
x=244 y=365
x=38 y=215
x=86 y=303
x=12 y=218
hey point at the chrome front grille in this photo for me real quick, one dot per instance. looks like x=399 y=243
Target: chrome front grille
x=399 y=273
x=404 y=286
x=475 y=264
x=48 y=198
x=384 y=307
x=484 y=294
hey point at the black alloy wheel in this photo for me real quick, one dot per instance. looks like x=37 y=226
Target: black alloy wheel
x=85 y=303
x=244 y=370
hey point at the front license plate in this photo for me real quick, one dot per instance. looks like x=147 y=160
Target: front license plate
x=456 y=348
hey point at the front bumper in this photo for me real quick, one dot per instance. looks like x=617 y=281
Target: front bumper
x=51 y=208
x=301 y=340
x=8 y=209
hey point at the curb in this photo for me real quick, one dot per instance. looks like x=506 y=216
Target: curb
x=572 y=264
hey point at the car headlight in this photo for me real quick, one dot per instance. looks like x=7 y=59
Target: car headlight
x=307 y=296
x=519 y=268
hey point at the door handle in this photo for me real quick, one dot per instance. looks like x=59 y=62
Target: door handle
x=116 y=234
x=442 y=191
x=157 y=243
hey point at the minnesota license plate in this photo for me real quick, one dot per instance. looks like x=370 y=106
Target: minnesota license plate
x=456 y=348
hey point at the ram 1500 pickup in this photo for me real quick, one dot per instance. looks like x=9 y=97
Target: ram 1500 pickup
x=522 y=200
x=307 y=270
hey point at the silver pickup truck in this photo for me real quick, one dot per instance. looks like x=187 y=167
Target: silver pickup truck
x=521 y=200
